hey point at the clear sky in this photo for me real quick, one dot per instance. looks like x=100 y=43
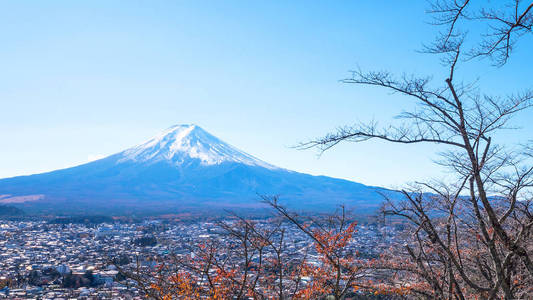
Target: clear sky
x=83 y=79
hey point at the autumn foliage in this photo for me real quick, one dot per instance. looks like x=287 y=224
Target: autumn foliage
x=252 y=262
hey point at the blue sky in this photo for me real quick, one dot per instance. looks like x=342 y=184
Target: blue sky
x=84 y=79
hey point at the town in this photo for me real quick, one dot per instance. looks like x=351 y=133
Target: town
x=46 y=259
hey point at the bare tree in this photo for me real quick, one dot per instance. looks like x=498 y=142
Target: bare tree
x=471 y=236
x=249 y=260
x=502 y=23
x=339 y=271
x=243 y=261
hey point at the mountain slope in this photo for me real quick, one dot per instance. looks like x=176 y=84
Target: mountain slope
x=183 y=168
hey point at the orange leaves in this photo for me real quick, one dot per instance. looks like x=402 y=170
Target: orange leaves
x=257 y=262
x=216 y=272
x=335 y=271
x=180 y=284
x=332 y=240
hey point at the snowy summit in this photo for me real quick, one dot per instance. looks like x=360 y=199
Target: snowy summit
x=181 y=144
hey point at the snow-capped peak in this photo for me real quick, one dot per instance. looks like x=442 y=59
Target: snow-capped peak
x=181 y=143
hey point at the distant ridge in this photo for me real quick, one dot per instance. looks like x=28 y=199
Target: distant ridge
x=184 y=168
x=10 y=211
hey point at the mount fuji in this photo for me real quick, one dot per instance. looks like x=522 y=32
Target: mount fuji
x=182 y=169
